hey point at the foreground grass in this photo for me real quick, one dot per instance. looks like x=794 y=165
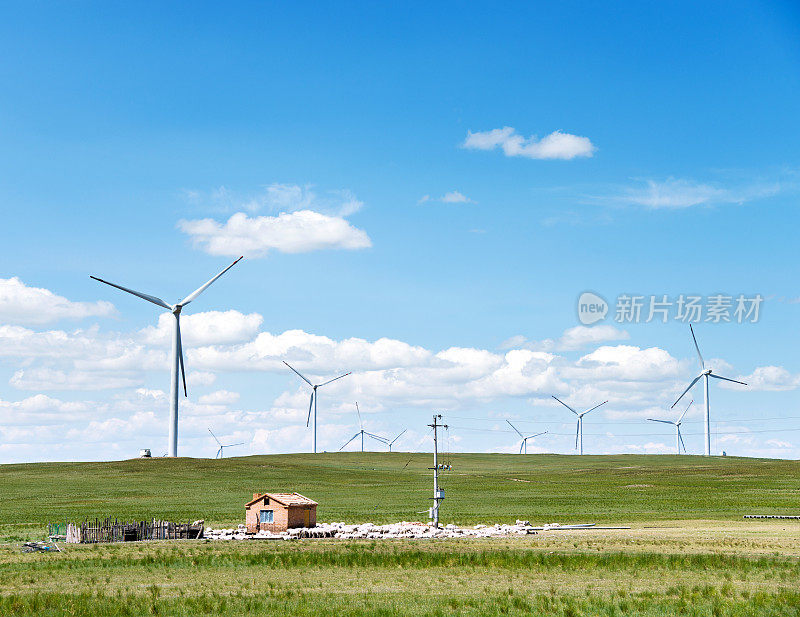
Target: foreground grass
x=689 y=552
x=510 y=577
x=383 y=487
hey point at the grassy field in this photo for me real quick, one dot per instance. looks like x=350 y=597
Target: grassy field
x=688 y=552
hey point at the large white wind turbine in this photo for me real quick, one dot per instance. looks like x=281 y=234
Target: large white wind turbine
x=220 y=452
x=362 y=432
x=176 y=360
x=677 y=425
x=706 y=373
x=579 y=430
x=524 y=442
x=313 y=401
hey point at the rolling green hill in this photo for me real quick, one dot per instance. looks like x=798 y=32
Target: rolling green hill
x=383 y=487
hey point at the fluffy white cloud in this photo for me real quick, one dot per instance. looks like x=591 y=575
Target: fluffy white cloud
x=573 y=339
x=556 y=145
x=774 y=378
x=23 y=305
x=294 y=232
x=676 y=193
x=208 y=328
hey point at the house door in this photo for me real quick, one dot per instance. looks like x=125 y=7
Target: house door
x=306 y=518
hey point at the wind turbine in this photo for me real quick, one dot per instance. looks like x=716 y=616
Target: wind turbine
x=176 y=360
x=313 y=401
x=220 y=453
x=706 y=373
x=391 y=443
x=524 y=443
x=362 y=432
x=677 y=425
x=579 y=431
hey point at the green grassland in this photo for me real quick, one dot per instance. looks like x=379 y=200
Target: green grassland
x=383 y=487
x=688 y=553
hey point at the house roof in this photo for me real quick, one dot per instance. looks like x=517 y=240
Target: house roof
x=285 y=499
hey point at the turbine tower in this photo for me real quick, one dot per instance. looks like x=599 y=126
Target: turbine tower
x=220 y=453
x=391 y=443
x=705 y=374
x=677 y=425
x=362 y=432
x=313 y=401
x=176 y=360
x=579 y=430
x=524 y=443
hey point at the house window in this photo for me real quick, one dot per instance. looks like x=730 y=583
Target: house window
x=266 y=516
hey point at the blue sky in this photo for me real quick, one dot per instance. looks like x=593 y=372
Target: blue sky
x=386 y=229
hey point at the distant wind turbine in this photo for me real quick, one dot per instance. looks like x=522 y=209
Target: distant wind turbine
x=706 y=373
x=176 y=360
x=362 y=432
x=524 y=442
x=220 y=453
x=677 y=425
x=313 y=401
x=391 y=443
x=579 y=431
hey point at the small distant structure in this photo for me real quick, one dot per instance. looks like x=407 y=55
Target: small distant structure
x=276 y=512
x=145 y=453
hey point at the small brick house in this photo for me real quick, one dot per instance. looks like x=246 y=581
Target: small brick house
x=279 y=511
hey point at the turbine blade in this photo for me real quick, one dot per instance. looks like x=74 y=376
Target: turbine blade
x=577 y=430
x=398 y=437
x=348 y=441
x=515 y=428
x=536 y=435
x=662 y=421
x=298 y=373
x=697 y=347
x=696 y=379
x=726 y=379
x=521 y=444
x=310 y=404
x=360 y=423
x=378 y=437
x=593 y=408
x=147 y=297
x=334 y=379
x=684 y=411
x=231 y=445
x=219 y=453
x=567 y=406
x=180 y=353
x=681 y=438
x=214 y=436
x=201 y=289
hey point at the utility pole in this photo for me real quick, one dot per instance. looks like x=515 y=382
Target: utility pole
x=438 y=494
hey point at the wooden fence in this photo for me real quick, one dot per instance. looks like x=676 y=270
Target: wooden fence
x=114 y=530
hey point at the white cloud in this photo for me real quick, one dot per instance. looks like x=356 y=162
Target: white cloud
x=771 y=378
x=277 y=197
x=219 y=397
x=200 y=378
x=207 y=328
x=42 y=378
x=572 y=339
x=676 y=193
x=556 y=145
x=295 y=232
x=452 y=197
x=23 y=305
x=777 y=443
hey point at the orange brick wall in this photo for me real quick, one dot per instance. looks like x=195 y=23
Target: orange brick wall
x=283 y=517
